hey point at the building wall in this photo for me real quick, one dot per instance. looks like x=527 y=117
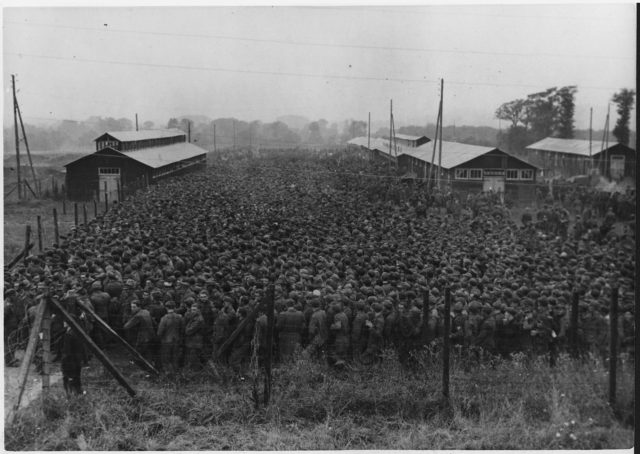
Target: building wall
x=82 y=178
x=630 y=157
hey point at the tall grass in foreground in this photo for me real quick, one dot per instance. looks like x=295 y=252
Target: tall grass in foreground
x=517 y=404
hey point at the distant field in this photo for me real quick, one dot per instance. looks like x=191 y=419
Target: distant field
x=18 y=215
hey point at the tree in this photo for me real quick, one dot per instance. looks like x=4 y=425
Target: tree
x=624 y=99
x=566 y=109
x=541 y=113
x=148 y=125
x=173 y=123
x=513 y=111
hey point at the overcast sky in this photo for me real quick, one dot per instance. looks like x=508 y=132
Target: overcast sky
x=319 y=62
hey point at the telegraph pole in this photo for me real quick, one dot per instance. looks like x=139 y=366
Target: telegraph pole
x=590 y=139
x=234 y=134
x=440 y=144
x=214 y=137
x=189 y=131
x=369 y=132
x=15 y=123
x=136 y=122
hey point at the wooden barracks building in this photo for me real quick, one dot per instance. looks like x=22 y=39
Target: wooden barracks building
x=125 y=158
x=463 y=167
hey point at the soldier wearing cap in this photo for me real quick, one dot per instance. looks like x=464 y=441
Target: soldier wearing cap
x=141 y=324
x=289 y=325
x=318 y=331
x=359 y=331
x=100 y=302
x=170 y=336
x=375 y=323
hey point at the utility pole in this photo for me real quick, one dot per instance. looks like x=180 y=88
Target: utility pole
x=590 y=139
x=26 y=145
x=607 y=164
x=189 y=131
x=136 y=122
x=605 y=140
x=441 y=121
x=214 y=137
x=369 y=132
x=15 y=123
x=234 y=134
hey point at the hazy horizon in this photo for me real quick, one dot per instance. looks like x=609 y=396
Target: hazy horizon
x=336 y=63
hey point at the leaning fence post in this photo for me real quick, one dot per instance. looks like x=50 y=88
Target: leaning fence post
x=39 y=233
x=27 y=240
x=23 y=372
x=574 y=324
x=613 y=345
x=56 y=231
x=445 y=350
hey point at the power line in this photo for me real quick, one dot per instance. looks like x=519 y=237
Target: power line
x=319 y=44
x=290 y=74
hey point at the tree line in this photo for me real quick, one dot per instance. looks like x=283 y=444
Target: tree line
x=550 y=113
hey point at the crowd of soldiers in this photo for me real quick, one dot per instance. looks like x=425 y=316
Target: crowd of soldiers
x=353 y=259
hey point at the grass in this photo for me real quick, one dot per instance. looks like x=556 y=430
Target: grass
x=517 y=404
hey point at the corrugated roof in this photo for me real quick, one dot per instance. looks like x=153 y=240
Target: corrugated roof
x=145 y=134
x=408 y=137
x=572 y=146
x=156 y=157
x=453 y=153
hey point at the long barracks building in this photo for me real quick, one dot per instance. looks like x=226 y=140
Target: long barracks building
x=126 y=158
x=462 y=167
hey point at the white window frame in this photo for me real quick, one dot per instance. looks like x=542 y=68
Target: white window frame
x=462 y=174
x=108 y=171
x=471 y=171
x=507 y=177
x=526 y=174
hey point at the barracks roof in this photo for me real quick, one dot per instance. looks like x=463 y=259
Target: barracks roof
x=571 y=146
x=145 y=134
x=156 y=157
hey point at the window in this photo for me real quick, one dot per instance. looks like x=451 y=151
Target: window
x=526 y=174
x=475 y=174
x=461 y=174
x=109 y=171
x=512 y=174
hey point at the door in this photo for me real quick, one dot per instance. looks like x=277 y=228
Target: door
x=617 y=167
x=109 y=183
x=495 y=184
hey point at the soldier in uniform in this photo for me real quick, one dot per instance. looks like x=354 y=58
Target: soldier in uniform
x=340 y=328
x=318 y=332
x=170 y=335
x=193 y=326
x=290 y=326
x=358 y=332
x=141 y=325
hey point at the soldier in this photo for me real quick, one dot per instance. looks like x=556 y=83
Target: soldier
x=194 y=324
x=71 y=363
x=100 y=302
x=485 y=338
x=318 y=332
x=241 y=347
x=358 y=332
x=375 y=323
x=141 y=324
x=340 y=328
x=290 y=325
x=170 y=335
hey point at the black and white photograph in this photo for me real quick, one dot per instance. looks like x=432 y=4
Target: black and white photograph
x=319 y=226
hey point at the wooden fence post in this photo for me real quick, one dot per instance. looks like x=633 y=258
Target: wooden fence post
x=56 y=231
x=75 y=215
x=46 y=350
x=445 y=350
x=613 y=345
x=95 y=208
x=39 y=233
x=27 y=240
x=84 y=213
x=574 y=324
x=119 y=192
x=64 y=203
x=94 y=348
x=269 y=346
x=29 y=353
x=425 y=317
